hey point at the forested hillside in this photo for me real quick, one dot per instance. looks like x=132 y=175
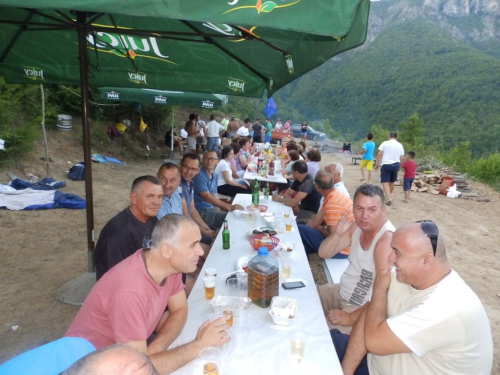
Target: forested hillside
x=413 y=65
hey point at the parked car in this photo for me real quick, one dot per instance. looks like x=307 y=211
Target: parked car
x=311 y=133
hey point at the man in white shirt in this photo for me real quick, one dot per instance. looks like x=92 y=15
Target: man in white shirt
x=243 y=130
x=337 y=170
x=214 y=131
x=279 y=125
x=422 y=317
x=389 y=157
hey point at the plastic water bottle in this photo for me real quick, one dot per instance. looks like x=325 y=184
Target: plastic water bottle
x=263 y=278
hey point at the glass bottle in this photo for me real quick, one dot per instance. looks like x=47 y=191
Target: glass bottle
x=225 y=236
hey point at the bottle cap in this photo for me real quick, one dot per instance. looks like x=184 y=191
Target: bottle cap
x=263 y=251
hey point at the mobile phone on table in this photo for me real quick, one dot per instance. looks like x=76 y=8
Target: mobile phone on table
x=293 y=285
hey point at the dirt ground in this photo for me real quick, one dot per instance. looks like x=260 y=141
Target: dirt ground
x=41 y=250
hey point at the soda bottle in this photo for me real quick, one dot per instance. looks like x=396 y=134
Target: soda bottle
x=263 y=278
x=266 y=190
x=255 y=192
x=271 y=168
x=225 y=237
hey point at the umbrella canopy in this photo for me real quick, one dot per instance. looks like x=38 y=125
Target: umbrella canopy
x=149 y=96
x=235 y=47
x=168 y=50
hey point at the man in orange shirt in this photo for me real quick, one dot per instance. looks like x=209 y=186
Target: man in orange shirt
x=325 y=222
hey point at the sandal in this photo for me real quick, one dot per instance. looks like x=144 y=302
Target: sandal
x=388 y=203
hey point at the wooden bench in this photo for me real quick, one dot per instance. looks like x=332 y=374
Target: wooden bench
x=334 y=268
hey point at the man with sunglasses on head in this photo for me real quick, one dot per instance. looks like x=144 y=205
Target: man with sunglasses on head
x=205 y=188
x=422 y=317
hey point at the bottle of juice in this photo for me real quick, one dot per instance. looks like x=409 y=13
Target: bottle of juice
x=263 y=278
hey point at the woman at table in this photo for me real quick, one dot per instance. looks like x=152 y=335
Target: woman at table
x=226 y=184
x=312 y=160
x=243 y=156
x=234 y=171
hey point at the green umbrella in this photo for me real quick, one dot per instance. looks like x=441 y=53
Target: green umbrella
x=144 y=51
x=235 y=47
x=163 y=97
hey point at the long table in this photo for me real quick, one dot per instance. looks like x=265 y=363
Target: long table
x=277 y=178
x=262 y=347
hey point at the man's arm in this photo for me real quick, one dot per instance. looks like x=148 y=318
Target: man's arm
x=218 y=203
x=172 y=326
x=317 y=220
x=356 y=349
x=204 y=228
x=288 y=200
x=338 y=240
x=379 y=338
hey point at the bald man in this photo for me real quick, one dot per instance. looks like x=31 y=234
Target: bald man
x=117 y=359
x=422 y=317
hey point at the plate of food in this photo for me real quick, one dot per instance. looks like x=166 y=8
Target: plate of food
x=263 y=230
x=261 y=207
x=260 y=240
x=285 y=248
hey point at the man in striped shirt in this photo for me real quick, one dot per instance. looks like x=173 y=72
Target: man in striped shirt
x=334 y=206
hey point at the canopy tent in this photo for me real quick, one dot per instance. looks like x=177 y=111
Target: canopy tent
x=162 y=97
x=236 y=48
x=155 y=49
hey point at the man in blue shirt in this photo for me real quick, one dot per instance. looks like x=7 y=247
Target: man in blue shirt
x=170 y=178
x=205 y=188
x=189 y=167
x=367 y=158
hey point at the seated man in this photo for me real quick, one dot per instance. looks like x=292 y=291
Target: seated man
x=189 y=167
x=127 y=305
x=334 y=205
x=132 y=228
x=177 y=141
x=422 y=318
x=170 y=178
x=337 y=170
x=368 y=237
x=205 y=188
x=302 y=196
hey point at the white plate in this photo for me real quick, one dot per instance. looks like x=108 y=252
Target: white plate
x=243 y=261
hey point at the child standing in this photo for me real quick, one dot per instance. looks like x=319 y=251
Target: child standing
x=410 y=167
x=367 y=158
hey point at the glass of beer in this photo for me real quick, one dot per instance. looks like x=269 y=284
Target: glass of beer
x=298 y=341
x=229 y=313
x=288 y=223
x=286 y=265
x=210 y=360
x=209 y=283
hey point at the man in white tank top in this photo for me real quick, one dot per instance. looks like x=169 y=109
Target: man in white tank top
x=369 y=237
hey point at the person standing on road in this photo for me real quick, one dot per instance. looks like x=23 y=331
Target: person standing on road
x=389 y=158
x=367 y=158
x=269 y=129
x=232 y=127
x=303 y=131
x=257 y=131
x=214 y=131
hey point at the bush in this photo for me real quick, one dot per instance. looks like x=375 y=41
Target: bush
x=459 y=157
x=428 y=163
x=487 y=170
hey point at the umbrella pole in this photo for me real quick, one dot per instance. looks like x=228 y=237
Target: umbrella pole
x=75 y=291
x=47 y=172
x=14 y=141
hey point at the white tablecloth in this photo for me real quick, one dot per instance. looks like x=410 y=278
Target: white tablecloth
x=277 y=178
x=262 y=348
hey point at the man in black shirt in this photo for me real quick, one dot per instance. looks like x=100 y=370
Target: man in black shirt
x=302 y=195
x=132 y=228
x=257 y=131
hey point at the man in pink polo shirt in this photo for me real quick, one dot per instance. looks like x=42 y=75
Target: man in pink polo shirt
x=127 y=305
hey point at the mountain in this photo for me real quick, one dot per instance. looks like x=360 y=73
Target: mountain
x=439 y=58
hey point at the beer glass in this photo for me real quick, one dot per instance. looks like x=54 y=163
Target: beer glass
x=286 y=264
x=210 y=360
x=209 y=283
x=298 y=341
x=288 y=223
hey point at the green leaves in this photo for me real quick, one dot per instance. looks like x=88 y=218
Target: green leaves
x=266 y=7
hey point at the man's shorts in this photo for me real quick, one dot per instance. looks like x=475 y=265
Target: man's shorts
x=389 y=172
x=267 y=139
x=329 y=295
x=407 y=184
x=191 y=141
x=366 y=163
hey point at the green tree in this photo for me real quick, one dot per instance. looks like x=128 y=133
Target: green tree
x=459 y=157
x=410 y=133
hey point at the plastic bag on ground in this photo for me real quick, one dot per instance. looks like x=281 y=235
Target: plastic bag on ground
x=453 y=192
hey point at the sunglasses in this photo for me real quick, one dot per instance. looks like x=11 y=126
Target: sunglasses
x=431 y=231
